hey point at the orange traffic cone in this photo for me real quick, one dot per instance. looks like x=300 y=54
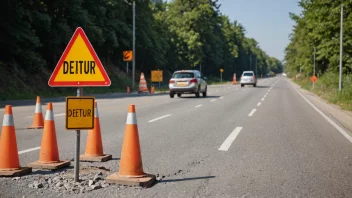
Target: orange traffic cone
x=143 y=84
x=128 y=90
x=38 y=121
x=234 y=79
x=49 y=153
x=94 y=146
x=9 y=161
x=131 y=169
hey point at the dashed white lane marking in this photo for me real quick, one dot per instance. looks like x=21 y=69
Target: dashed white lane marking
x=252 y=112
x=262 y=99
x=198 y=106
x=222 y=97
x=213 y=100
x=227 y=143
x=259 y=103
x=337 y=127
x=61 y=114
x=159 y=118
x=265 y=95
x=29 y=150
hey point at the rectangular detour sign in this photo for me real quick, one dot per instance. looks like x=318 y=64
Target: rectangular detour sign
x=79 y=113
x=157 y=76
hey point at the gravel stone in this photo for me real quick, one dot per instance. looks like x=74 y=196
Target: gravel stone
x=57 y=178
x=15 y=178
x=67 y=186
x=97 y=178
x=59 y=184
x=105 y=185
x=95 y=187
x=91 y=182
x=37 y=184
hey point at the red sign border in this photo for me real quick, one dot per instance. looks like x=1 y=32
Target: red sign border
x=105 y=83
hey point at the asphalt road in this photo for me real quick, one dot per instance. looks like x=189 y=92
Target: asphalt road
x=265 y=141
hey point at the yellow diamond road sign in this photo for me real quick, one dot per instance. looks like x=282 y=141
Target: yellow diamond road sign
x=79 y=65
x=79 y=113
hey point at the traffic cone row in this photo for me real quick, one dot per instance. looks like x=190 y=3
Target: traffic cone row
x=234 y=79
x=94 y=146
x=38 y=121
x=49 y=153
x=152 y=90
x=131 y=168
x=143 y=84
x=9 y=160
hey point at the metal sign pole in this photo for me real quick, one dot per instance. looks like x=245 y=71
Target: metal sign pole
x=78 y=142
x=221 y=76
x=127 y=68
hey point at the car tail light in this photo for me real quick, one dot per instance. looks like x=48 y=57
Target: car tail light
x=171 y=82
x=194 y=80
x=253 y=76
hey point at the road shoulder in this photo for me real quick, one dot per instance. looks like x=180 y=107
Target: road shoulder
x=344 y=118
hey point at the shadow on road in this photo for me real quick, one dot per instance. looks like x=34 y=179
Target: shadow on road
x=200 y=97
x=186 y=179
x=262 y=87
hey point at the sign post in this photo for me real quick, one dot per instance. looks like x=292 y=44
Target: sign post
x=221 y=71
x=128 y=57
x=79 y=66
x=313 y=79
x=78 y=143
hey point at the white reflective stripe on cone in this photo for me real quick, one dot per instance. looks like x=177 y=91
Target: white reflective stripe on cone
x=96 y=114
x=8 y=120
x=49 y=115
x=38 y=108
x=131 y=118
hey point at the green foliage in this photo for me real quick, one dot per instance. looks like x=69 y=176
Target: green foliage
x=319 y=26
x=181 y=34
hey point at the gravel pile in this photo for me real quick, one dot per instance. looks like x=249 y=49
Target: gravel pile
x=64 y=182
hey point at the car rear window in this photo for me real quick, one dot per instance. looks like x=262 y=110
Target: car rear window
x=183 y=75
x=248 y=74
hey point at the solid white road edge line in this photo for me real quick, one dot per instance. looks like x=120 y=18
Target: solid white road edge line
x=259 y=103
x=159 y=118
x=29 y=150
x=198 y=106
x=343 y=132
x=252 y=112
x=227 y=143
x=262 y=99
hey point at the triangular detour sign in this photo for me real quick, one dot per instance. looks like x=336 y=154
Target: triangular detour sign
x=79 y=65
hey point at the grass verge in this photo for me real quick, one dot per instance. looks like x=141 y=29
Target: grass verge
x=327 y=88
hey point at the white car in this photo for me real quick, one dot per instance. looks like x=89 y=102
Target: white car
x=248 y=78
x=187 y=82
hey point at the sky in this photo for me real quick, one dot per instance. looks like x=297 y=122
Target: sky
x=267 y=21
